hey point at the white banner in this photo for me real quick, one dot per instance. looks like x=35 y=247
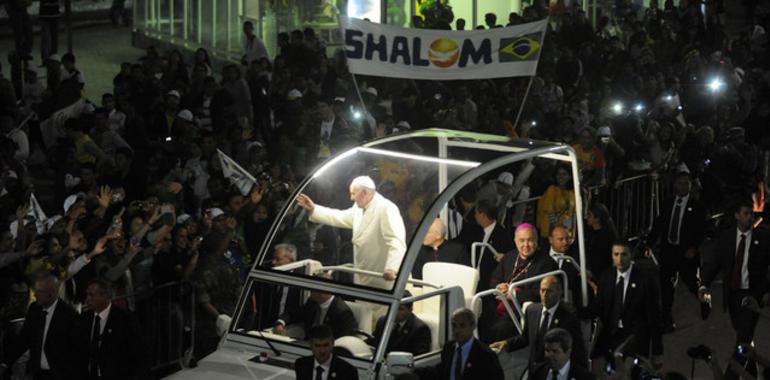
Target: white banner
x=391 y=51
x=237 y=175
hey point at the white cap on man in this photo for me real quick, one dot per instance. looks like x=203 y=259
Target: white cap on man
x=214 y=212
x=186 y=115
x=70 y=200
x=363 y=181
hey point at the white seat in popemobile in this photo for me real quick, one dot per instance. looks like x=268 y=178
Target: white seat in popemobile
x=444 y=275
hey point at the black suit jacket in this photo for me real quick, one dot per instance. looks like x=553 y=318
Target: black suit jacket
x=641 y=313
x=58 y=340
x=269 y=299
x=759 y=259
x=414 y=337
x=122 y=351
x=482 y=364
x=576 y=372
x=562 y=318
x=502 y=240
x=449 y=252
x=339 y=369
x=339 y=317
x=573 y=276
x=691 y=231
x=540 y=263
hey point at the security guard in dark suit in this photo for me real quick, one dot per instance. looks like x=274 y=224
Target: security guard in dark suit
x=628 y=306
x=680 y=229
x=745 y=257
x=410 y=334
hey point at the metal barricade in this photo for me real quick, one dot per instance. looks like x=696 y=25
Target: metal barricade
x=633 y=203
x=166 y=314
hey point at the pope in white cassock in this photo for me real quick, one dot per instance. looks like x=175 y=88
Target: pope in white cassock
x=378 y=231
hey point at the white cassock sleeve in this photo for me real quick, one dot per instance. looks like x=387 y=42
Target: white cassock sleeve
x=394 y=237
x=333 y=217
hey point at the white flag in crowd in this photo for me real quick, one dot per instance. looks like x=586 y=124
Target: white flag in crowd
x=35 y=210
x=35 y=214
x=391 y=51
x=237 y=175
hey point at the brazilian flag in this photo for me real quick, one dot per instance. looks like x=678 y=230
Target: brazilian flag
x=522 y=48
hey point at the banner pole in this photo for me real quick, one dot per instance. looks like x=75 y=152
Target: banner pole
x=529 y=85
x=523 y=101
x=355 y=81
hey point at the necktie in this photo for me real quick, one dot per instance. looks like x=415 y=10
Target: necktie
x=319 y=373
x=617 y=305
x=458 y=363
x=543 y=326
x=738 y=264
x=94 y=348
x=673 y=230
x=553 y=375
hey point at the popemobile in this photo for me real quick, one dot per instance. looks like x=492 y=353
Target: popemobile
x=420 y=173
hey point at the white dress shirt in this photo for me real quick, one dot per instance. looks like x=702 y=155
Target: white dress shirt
x=325 y=309
x=626 y=279
x=682 y=209
x=551 y=312
x=326 y=128
x=103 y=315
x=562 y=374
x=49 y=315
x=488 y=231
x=327 y=366
x=556 y=256
x=284 y=296
x=746 y=249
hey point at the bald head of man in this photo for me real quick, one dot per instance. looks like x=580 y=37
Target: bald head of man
x=435 y=235
x=559 y=239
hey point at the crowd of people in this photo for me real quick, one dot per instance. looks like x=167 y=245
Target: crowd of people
x=134 y=186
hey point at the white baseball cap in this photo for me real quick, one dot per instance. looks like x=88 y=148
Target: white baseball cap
x=506 y=178
x=186 y=115
x=174 y=93
x=215 y=212
x=71 y=201
x=294 y=94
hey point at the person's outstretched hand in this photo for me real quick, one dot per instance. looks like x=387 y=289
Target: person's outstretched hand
x=305 y=202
